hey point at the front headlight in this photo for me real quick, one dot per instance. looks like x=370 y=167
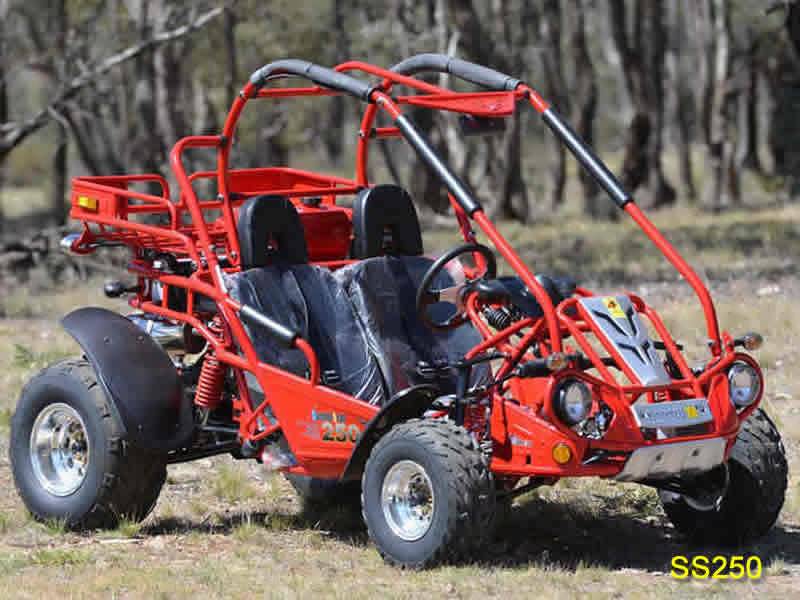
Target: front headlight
x=573 y=401
x=744 y=384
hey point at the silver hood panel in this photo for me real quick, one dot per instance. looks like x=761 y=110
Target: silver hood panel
x=619 y=322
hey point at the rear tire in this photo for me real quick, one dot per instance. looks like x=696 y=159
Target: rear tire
x=427 y=494
x=114 y=480
x=754 y=496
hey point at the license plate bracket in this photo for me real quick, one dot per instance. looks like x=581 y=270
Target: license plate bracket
x=675 y=413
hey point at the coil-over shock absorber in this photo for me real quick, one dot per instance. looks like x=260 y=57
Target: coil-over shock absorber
x=211 y=382
x=501 y=317
x=475 y=418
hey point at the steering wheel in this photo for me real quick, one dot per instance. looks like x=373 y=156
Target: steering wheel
x=452 y=295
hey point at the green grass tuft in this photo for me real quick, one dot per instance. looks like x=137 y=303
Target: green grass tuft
x=58 y=557
x=24 y=358
x=5 y=522
x=128 y=528
x=54 y=526
x=247 y=530
x=11 y=563
x=5 y=418
x=279 y=522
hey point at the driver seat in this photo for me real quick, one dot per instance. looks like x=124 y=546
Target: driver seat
x=383 y=285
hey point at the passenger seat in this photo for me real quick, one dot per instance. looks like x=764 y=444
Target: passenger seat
x=383 y=287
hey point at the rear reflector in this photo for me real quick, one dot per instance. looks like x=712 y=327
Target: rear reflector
x=87 y=203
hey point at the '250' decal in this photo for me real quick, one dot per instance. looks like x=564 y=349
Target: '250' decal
x=340 y=432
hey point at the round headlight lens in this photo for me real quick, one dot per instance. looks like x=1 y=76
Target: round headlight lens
x=744 y=384
x=573 y=401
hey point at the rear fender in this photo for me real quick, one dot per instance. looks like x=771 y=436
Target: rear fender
x=138 y=377
x=408 y=404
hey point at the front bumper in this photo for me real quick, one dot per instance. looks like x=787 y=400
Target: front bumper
x=664 y=461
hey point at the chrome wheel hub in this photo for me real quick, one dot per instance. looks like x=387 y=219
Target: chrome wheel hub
x=59 y=449
x=407 y=500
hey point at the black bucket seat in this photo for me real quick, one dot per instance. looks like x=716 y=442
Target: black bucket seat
x=277 y=280
x=383 y=287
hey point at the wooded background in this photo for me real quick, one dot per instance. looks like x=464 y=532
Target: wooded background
x=683 y=97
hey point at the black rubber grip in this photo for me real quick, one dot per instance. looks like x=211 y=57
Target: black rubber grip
x=441 y=63
x=282 y=334
x=424 y=150
x=320 y=75
x=586 y=157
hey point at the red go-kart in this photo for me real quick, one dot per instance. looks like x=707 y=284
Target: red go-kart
x=276 y=322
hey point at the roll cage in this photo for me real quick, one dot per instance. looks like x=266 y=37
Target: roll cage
x=204 y=249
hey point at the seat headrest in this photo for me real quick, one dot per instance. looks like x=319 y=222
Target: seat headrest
x=385 y=222
x=269 y=229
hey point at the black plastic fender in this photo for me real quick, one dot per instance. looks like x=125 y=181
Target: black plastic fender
x=138 y=377
x=408 y=404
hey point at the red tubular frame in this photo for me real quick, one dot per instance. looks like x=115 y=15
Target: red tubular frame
x=291 y=399
x=672 y=255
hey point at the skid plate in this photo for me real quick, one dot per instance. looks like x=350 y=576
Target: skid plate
x=677 y=458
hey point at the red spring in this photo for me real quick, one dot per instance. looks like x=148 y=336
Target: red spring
x=212 y=376
x=210 y=383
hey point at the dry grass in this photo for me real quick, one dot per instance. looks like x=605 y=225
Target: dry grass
x=734 y=244
x=231 y=484
x=228 y=529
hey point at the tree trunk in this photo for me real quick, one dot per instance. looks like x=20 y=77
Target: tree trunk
x=680 y=96
x=4 y=112
x=721 y=188
x=149 y=152
x=424 y=185
x=332 y=133
x=58 y=191
x=635 y=165
x=585 y=106
x=513 y=185
x=702 y=15
x=554 y=80
x=782 y=76
x=748 y=155
x=231 y=61
x=660 y=190
x=498 y=41
x=642 y=56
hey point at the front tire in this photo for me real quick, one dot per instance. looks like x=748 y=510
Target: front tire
x=427 y=494
x=69 y=457
x=754 y=496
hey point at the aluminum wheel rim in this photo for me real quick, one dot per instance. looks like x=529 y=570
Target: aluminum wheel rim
x=59 y=449
x=408 y=500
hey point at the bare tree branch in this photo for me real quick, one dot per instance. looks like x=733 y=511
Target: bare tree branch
x=14 y=133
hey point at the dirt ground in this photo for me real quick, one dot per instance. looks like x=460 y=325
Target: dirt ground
x=224 y=528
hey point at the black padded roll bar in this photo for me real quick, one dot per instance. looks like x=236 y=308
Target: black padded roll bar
x=441 y=63
x=424 y=150
x=320 y=75
x=586 y=157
